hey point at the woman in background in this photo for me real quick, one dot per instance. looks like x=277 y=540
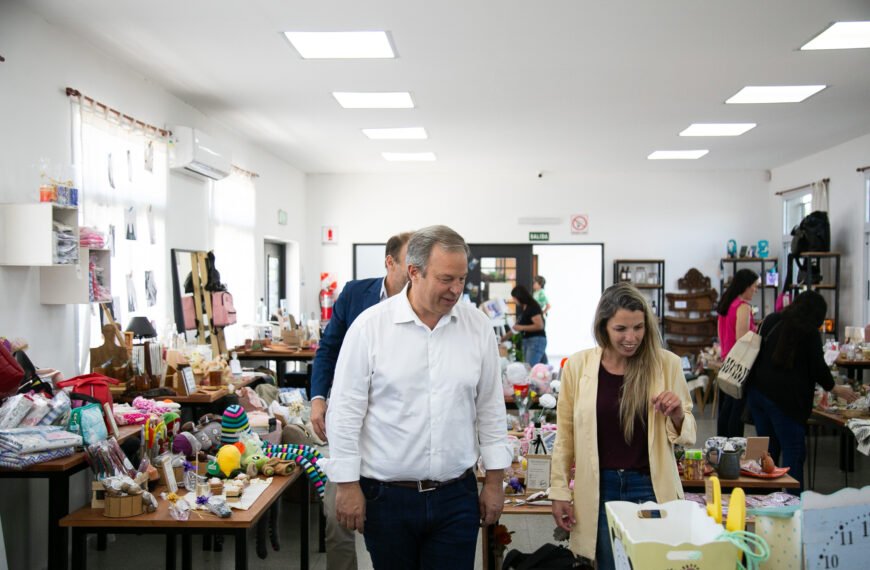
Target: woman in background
x=622 y=407
x=735 y=320
x=530 y=322
x=784 y=378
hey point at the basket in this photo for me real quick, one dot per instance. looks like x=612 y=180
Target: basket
x=123 y=507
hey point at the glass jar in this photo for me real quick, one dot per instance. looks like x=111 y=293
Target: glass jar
x=652 y=278
x=639 y=274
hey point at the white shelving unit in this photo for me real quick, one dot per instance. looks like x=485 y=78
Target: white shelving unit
x=70 y=284
x=28 y=238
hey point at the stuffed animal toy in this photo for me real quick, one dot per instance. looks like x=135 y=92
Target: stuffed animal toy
x=234 y=424
x=186 y=444
x=173 y=424
x=208 y=432
x=540 y=377
x=228 y=459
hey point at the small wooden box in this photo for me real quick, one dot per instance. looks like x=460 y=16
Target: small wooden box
x=98 y=492
x=123 y=507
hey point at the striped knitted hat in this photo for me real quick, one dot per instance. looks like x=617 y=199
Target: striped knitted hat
x=234 y=424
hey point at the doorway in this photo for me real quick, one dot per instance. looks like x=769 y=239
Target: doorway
x=275 y=279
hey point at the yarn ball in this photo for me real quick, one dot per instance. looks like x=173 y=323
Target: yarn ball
x=517 y=373
x=234 y=424
x=547 y=401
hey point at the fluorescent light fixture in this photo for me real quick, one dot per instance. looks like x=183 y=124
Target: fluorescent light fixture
x=397 y=100
x=341 y=45
x=775 y=93
x=409 y=156
x=398 y=133
x=716 y=129
x=841 y=35
x=677 y=154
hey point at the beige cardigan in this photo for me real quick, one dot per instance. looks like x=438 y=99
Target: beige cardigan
x=577 y=440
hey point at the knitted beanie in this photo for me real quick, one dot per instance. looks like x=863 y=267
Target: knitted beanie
x=234 y=424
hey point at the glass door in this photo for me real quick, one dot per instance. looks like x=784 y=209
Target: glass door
x=276 y=276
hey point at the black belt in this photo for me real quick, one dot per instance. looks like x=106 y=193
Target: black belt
x=426 y=484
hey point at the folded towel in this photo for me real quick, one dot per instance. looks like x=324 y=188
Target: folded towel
x=36 y=439
x=861 y=430
x=20 y=461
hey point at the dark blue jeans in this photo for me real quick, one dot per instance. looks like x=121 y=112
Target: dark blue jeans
x=535 y=349
x=618 y=485
x=786 y=435
x=436 y=529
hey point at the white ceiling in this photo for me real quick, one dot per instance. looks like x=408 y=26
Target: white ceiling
x=500 y=85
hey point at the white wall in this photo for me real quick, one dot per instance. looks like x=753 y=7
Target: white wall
x=684 y=218
x=846 y=201
x=41 y=60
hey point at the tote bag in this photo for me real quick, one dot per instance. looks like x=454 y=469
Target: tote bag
x=735 y=370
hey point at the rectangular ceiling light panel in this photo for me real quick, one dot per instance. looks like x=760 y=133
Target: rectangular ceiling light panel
x=396 y=100
x=841 y=35
x=341 y=45
x=396 y=134
x=677 y=154
x=716 y=129
x=775 y=93
x=409 y=156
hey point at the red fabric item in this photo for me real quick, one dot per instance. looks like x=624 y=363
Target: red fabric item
x=94 y=385
x=11 y=373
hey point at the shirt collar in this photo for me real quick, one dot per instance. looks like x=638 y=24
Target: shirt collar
x=403 y=312
x=383 y=290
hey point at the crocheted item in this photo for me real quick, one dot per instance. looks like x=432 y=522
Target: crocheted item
x=152 y=407
x=234 y=424
x=306 y=457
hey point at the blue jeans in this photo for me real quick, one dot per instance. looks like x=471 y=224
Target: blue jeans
x=436 y=529
x=786 y=435
x=534 y=349
x=618 y=485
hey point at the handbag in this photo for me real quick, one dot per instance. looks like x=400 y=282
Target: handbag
x=11 y=373
x=88 y=422
x=735 y=370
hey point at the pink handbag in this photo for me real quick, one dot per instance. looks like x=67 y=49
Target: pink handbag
x=224 y=313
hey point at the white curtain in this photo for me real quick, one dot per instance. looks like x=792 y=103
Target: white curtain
x=123 y=176
x=820 y=196
x=233 y=216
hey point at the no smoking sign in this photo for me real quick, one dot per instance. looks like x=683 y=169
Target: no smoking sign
x=579 y=223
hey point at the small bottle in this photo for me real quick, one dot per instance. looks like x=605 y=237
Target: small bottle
x=235 y=365
x=262 y=312
x=654 y=307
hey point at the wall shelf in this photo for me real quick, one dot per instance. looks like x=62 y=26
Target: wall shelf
x=28 y=236
x=652 y=282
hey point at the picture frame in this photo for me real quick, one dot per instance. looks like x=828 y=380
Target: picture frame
x=752 y=251
x=188 y=380
x=538 y=472
x=744 y=249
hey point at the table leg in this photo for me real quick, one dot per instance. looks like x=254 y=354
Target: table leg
x=304 y=516
x=170 y=550
x=241 y=537
x=79 y=549
x=58 y=507
x=186 y=552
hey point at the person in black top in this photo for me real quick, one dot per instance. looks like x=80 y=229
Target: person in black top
x=530 y=322
x=787 y=369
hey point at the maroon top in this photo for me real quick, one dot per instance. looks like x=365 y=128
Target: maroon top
x=613 y=452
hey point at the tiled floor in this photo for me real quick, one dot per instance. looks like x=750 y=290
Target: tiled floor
x=529 y=531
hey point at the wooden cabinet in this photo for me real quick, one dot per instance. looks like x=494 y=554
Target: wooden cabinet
x=765 y=297
x=692 y=324
x=648 y=275
x=29 y=238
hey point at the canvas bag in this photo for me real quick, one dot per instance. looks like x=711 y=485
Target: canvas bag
x=738 y=364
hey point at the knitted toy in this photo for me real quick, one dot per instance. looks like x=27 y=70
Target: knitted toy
x=208 y=433
x=306 y=457
x=234 y=424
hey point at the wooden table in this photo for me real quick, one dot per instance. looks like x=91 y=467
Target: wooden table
x=88 y=521
x=837 y=420
x=784 y=482
x=281 y=356
x=58 y=473
x=853 y=367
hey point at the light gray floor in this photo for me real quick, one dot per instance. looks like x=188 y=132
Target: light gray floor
x=146 y=551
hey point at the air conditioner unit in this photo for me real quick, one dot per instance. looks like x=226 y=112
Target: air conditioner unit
x=196 y=152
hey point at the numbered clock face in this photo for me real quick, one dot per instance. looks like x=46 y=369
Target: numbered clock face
x=843 y=541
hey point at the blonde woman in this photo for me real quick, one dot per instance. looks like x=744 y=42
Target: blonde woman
x=622 y=407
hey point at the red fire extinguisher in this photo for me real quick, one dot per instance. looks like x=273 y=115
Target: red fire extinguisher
x=326 y=302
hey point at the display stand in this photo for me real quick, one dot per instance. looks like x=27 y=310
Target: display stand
x=762 y=265
x=824 y=267
x=651 y=281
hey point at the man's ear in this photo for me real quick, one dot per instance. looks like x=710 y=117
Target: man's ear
x=414 y=271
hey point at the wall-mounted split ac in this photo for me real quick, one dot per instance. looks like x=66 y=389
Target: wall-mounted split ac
x=195 y=152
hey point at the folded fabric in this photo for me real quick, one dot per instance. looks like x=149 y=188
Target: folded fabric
x=36 y=439
x=20 y=461
x=861 y=430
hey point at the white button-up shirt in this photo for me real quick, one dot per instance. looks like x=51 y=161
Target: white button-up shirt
x=410 y=403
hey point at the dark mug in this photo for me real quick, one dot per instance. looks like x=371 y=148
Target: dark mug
x=727 y=463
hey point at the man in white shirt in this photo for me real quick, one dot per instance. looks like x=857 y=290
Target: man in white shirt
x=415 y=401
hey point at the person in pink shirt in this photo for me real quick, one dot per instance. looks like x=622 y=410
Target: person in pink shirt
x=735 y=320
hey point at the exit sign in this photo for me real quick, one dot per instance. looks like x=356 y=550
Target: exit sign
x=539 y=236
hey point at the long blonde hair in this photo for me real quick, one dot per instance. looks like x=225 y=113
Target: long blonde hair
x=644 y=364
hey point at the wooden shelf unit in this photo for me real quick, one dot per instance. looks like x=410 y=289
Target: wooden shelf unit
x=761 y=265
x=656 y=289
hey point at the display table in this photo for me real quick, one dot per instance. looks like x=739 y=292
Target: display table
x=837 y=420
x=853 y=367
x=58 y=473
x=280 y=356
x=88 y=521
x=783 y=482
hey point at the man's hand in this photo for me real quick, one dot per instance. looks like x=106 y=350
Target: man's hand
x=350 y=506
x=563 y=512
x=491 y=498
x=318 y=417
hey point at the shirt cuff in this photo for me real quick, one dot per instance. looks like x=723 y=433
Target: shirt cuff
x=498 y=456
x=560 y=494
x=318 y=398
x=344 y=470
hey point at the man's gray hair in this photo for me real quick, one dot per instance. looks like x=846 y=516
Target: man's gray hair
x=421 y=243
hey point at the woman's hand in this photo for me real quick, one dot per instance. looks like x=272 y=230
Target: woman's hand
x=846 y=393
x=668 y=404
x=563 y=513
